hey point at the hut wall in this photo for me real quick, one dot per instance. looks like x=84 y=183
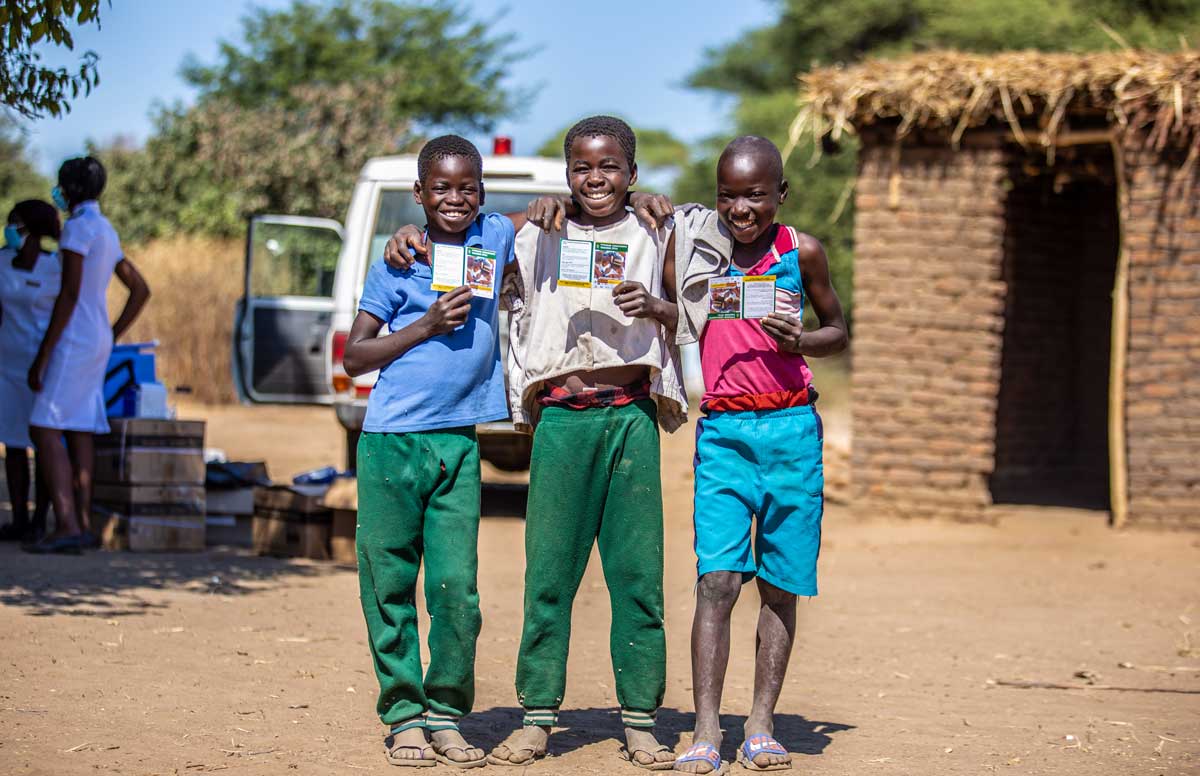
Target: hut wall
x=1161 y=221
x=929 y=236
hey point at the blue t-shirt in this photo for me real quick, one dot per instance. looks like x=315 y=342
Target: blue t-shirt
x=449 y=380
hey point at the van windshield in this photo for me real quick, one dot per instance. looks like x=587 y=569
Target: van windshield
x=397 y=208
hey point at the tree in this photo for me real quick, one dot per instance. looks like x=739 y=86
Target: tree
x=28 y=87
x=19 y=179
x=208 y=168
x=445 y=68
x=760 y=69
x=287 y=116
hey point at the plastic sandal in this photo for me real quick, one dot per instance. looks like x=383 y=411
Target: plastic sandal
x=762 y=744
x=703 y=752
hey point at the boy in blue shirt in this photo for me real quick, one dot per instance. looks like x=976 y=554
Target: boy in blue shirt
x=418 y=458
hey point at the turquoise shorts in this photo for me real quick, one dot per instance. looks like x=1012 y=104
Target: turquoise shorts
x=765 y=465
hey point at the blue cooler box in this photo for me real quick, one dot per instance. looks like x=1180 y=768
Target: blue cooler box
x=128 y=366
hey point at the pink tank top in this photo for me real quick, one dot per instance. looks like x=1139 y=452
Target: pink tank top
x=742 y=365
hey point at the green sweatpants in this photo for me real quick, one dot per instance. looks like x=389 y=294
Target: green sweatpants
x=594 y=478
x=418 y=494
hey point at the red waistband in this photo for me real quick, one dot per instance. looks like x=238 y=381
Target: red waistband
x=776 y=400
x=619 y=396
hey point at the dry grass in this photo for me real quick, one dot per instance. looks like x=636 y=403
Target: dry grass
x=194 y=284
x=1151 y=92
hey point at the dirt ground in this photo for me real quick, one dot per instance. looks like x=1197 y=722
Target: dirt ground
x=185 y=664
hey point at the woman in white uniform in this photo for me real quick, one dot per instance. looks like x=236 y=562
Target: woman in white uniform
x=68 y=371
x=29 y=284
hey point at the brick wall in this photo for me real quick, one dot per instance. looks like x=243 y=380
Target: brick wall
x=1162 y=404
x=929 y=304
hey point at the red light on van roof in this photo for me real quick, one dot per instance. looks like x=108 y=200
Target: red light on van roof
x=502 y=145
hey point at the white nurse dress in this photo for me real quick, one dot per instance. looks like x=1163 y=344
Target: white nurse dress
x=26 y=300
x=72 y=395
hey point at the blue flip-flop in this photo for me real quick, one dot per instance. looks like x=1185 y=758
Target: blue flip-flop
x=704 y=752
x=762 y=744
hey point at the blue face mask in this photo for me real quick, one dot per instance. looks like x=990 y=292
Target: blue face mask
x=12 y=237
x=59 y=198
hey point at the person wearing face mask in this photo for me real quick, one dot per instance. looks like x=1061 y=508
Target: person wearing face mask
x=29 y=283
x=67 y=374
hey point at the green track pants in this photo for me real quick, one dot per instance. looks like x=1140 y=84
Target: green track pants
x=594 y=478
x=418 y=495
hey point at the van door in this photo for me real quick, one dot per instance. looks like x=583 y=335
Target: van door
x=282 y=323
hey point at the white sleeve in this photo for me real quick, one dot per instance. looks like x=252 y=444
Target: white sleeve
x=77 y=236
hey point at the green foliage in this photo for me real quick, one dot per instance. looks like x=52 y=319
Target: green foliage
x=28 y=87
x=289 y=114
x=207 y=169
x=760 y=69
x=19 y=180
x=445 y=69
x=655 y=147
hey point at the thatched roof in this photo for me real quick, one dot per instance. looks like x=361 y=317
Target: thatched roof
x=1036 y=94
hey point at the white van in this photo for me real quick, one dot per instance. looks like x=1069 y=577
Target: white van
x=303 y=277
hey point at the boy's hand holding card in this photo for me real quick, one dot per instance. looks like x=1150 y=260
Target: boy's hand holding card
x=786 y=329
x=457 y=265
x=748 y=296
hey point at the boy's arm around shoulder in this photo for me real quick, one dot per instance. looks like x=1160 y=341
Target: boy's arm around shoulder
x=830 y=337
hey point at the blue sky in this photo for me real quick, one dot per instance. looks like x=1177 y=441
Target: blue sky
x=654 y=44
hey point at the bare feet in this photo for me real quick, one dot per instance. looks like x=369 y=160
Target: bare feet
x=451 y=745
x=756 y=727
x=702 y=736
x=409 y=745
x=522 y=747
x=644 y=749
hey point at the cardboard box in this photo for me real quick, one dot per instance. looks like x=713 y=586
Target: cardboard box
x=141 y=451
x=157 y=517
x=150 y=533
x=301 y=499
x=230 y=501
x=292 y=534
x=162 y=498
x=229 y=530
x=341 y=537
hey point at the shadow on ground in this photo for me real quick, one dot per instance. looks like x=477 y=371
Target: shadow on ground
x=583 y=727
x=110 y=584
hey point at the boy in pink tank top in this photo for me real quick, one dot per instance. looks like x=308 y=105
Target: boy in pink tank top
x=758 y=446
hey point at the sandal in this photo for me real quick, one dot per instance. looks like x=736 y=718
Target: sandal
x=762 y=744
x=665 y=765
x=537 y=755
x=703 y=752
x=436 y=723
x=408 y=762
x=442 y=758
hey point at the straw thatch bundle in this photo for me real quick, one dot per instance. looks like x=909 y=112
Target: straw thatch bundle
x=1035 y=94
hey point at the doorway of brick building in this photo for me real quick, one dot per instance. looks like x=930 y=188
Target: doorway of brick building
x=1061 y=248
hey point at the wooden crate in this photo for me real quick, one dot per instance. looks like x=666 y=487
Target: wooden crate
x=292 y=534
x=341 y=537
x=142 y=450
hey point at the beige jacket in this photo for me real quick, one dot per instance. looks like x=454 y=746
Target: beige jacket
x=555 y=329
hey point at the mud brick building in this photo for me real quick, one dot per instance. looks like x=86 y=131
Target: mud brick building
x=1027 y=281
